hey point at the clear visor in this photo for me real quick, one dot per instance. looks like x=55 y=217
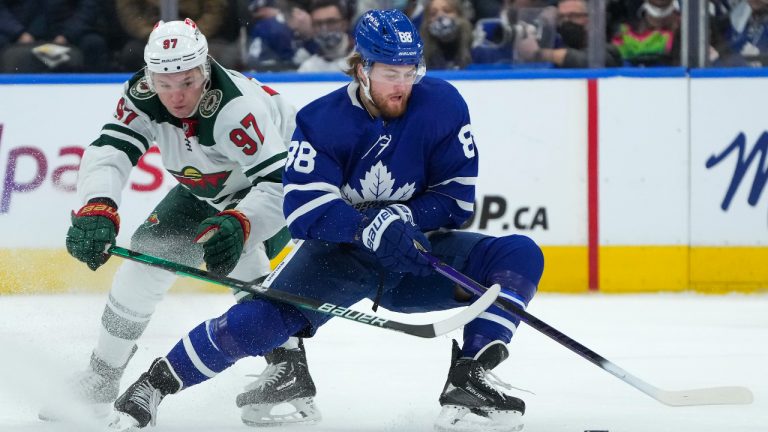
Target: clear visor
x=391 y=74
x=167 y=83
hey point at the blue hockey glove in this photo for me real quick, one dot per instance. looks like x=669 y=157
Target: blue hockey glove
x=223 y=237
x=94 y=228
x=390 y=234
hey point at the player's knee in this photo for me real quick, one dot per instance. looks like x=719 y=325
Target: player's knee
x=254 y=328
x=139 y=288
x=523 y=256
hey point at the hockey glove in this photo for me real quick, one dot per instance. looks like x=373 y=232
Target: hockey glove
x=223 y=237
x=390 y=234
x=94 y=228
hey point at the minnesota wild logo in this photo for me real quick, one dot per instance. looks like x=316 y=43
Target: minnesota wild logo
x=210 y=103
x=152 y=219
x=201 y=184
x=140 y=89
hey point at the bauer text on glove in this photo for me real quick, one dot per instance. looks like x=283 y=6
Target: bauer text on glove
x=390 y=234
x=94 y=228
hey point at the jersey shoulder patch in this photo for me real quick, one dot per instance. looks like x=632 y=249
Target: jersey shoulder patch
x=210 y=102
x=140 y=90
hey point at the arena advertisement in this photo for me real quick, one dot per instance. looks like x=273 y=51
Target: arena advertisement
x=528 y=166
x=681 y=173
x=729 y=169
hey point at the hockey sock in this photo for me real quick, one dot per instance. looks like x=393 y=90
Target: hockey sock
x=495 y=323
x=246 y=329
x=133 y=296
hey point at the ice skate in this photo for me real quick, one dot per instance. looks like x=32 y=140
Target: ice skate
x=137 y=407
x=93 y=389
x=471 y=400
x=283 y=394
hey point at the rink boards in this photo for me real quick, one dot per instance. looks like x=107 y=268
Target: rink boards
x=631 y=181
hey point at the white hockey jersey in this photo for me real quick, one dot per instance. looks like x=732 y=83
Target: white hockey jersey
x=231 y=153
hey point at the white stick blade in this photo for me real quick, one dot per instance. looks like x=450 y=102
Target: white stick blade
x=471 y=312
x=706 y=396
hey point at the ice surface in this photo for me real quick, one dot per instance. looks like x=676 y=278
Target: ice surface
x=374 y=380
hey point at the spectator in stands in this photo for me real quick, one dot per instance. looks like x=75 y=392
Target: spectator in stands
x=76 y=22
x=21 y=24
x=495 y=39
x=216 y=19
x=570 y=49
x=653 y=39
x=447 y=35
x=744 y=34
x=414 y=9
x=331 y=35
x=52 y=36
x=280 y=35
x=484 y=9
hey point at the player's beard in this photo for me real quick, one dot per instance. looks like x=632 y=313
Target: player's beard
x=389 y=108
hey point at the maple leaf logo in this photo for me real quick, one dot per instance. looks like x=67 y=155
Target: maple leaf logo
x=377 y=185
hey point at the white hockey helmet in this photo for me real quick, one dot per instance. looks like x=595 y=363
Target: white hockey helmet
x=176 y=46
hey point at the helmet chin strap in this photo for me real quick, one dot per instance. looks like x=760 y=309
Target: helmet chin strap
x=206 y=87
x=367 y=87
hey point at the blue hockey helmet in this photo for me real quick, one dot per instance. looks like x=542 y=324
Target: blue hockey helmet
x=388 y=36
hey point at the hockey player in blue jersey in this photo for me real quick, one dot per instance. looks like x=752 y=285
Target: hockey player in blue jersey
x=382 y=163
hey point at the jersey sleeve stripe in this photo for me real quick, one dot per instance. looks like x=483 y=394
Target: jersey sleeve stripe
x=275 y=176
x=469 y=181
x=309 y=206
x=117 y=129
x=129 y=149
x=312 y=187
x=267 y=166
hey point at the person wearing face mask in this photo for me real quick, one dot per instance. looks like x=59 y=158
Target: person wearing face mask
x=653 y=39
x=378 y=169
x=570 y=49
x=447 y=35
x=331 y=35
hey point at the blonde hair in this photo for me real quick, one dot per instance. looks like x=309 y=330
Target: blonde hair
x=353 y=61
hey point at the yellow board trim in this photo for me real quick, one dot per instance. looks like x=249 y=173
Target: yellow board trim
x=623 y=269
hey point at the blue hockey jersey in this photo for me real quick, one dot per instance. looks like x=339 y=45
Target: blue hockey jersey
x=341 y=158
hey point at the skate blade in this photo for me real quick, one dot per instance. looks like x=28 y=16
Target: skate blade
x=122 y=422
x=296 y=411
x=454 y=418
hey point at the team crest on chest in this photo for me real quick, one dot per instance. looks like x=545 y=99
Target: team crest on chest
x=378 y=185
x=201 y=184
x=140 y=89
x=210 y=102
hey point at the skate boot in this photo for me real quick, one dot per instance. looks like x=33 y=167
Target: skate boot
x=137 y=407
x=93 y=389
x=471 y=400
x=283 y=394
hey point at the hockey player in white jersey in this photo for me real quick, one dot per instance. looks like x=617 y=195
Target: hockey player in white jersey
x=374 y=167
x=223 y=136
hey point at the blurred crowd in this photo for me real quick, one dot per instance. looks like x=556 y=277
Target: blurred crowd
x=314 y=35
